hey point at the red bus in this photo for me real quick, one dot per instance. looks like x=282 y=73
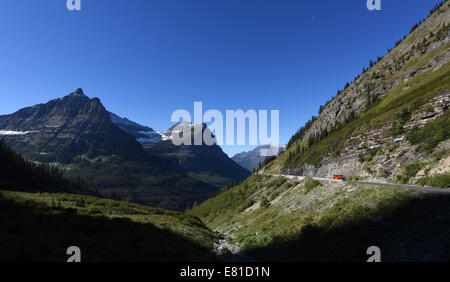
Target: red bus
x=338 y=177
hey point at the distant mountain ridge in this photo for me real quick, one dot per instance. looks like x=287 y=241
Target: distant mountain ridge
x=77 y=134
x=207 y=163
x=252 y=159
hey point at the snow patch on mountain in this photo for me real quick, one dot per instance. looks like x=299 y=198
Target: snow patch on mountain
x=152 y=137
x=143 y=134
x=12 y=132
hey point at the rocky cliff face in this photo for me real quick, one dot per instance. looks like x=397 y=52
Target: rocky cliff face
x=380 y=154
x=66 y=128
x=391 y=123
x=397 y=68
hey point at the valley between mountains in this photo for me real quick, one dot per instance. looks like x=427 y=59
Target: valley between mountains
x=73 y=173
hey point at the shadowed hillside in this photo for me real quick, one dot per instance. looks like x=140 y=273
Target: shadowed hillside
x=415 y=231
x=40 y=228
x=279 y=219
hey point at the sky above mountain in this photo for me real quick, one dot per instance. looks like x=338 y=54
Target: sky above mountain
x=145 y=59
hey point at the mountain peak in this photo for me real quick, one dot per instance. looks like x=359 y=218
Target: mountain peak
x=77 y=97
x=79 y=91
x=75 y=124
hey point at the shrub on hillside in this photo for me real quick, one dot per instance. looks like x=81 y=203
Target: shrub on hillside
x=409 y=172
x=440 y=181
x=428 y=137
x=265 y=203
x=311 y=184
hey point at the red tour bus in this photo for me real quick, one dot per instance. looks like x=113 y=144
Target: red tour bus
x=338 y=177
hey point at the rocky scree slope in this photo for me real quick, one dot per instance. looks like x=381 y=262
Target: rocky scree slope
x=279 y=219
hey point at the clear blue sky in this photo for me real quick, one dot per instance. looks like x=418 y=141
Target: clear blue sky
x=146 y=58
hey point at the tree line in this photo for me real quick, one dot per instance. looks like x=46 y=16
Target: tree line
x=20 y=174
x=300 y=134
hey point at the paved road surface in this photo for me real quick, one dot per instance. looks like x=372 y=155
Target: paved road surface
x=401 y=186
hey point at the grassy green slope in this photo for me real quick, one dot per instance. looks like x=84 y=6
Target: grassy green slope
x=274 y=218
x=40 y=227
